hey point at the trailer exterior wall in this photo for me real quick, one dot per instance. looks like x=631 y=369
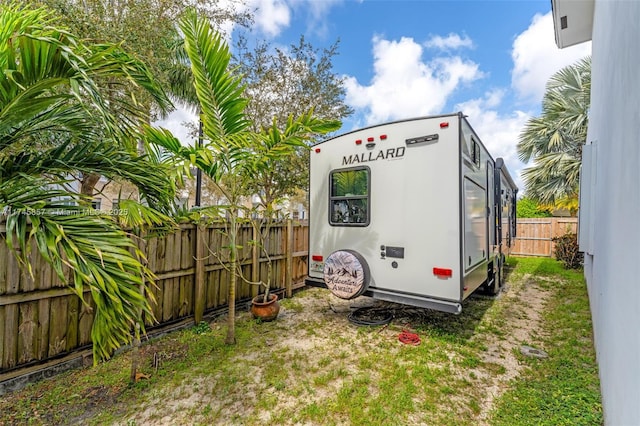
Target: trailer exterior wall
x=415 y=205
x=477 y=213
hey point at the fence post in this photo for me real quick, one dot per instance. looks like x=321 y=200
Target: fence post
x=554 y=232
x=255 y=257
x=200 y=297
x=289 y=264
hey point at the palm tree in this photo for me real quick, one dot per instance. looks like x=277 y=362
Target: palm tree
x=55 y=123
x=554 y=140
x=233 y=152
x=181 y=88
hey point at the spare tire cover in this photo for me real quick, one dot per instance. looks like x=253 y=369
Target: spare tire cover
x=346 y=274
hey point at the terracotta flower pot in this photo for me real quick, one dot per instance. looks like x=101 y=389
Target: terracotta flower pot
x=266 y=311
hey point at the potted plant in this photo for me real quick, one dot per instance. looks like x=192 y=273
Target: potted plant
x=265 y=311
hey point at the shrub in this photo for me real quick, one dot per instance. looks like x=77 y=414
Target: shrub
x=567 y=250
x=526 y=207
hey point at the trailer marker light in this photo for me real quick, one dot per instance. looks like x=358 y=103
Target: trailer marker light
x=370 y=139
x=443 y=272
x=358 y=141
x=317 y=149
x=316 y=258
x=444 y=124
x=383 y=137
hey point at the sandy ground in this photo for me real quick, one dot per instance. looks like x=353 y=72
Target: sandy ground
x=521 y=303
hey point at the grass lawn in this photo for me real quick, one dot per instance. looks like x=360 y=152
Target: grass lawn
x=312 y=366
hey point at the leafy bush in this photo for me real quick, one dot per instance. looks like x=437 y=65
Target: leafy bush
x=567 y=250
x=528 y=208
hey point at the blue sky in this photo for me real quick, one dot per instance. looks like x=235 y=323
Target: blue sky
x=401 y=59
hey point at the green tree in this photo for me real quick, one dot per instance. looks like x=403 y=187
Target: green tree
x=55 y=122
x=527 y=207
x=284 y=82
x=233 y=152
x=553 y=141
x=146 y=27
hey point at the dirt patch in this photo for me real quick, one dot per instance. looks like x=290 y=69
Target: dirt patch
x=523 y=303
x=318 y=337
x=308 y=334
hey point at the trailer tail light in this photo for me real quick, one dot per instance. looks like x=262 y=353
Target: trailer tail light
x=317 y=149
x=443 y=272
x=358 y=141
x=383 y=137
x=370 y=139
x=316 y=258
x=444 y=124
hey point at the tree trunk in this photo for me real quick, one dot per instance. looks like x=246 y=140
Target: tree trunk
x=135 y=355
x=233 y=258
x=88 y=183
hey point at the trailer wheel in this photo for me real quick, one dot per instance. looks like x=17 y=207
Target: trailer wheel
x=494 y=280
x=346 y=274
x=501 y=270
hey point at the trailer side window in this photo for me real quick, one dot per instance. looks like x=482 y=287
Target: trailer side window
x=349 y=197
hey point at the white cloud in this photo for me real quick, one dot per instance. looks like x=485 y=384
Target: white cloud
x=452 y=41
x=536 y=58
x=317 y=12
x=498 y=132
x=406 y=86
x=271 y=16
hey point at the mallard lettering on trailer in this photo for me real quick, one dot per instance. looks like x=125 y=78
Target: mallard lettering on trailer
x=366 y=157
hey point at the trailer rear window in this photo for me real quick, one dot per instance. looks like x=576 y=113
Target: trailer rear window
x=349 y=197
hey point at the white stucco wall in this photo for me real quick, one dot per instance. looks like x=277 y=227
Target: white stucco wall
x=613 y=269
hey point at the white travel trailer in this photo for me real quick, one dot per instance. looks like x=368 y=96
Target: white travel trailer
x=415 y=212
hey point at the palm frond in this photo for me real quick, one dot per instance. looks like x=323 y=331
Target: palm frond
x=84 y=248
x=138 y=217
x=219 y=91
x=553 y=176
x=106 y=159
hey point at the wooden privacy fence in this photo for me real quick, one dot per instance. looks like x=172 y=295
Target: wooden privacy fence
x=41 y=319
x=534 y=236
